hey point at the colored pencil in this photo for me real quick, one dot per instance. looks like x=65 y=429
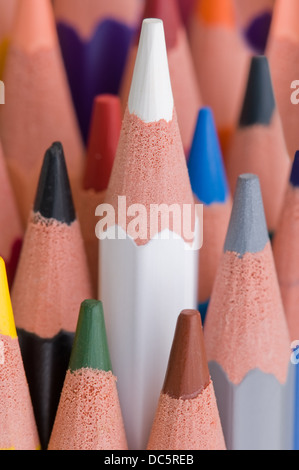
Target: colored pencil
x=258 y=145
x=89 y=385
x=148 y=266
x=95 y=37
x=286 y=261
x=254 y=20
x=186 y=93
x=10 y=222
x=186 y=8
x=283 y=53
x=209 y=184
x=18 y=429
x=246 y=333
x=52 y=279
x=7 y=12
x=213 y=33
x=102 y=144
x=38 y=107
x=187 y=416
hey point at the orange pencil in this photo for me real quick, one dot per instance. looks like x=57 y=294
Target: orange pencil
x=52 y=279
x=38 y=107
x=258 y=145
x=221 y=62
x=7 y=13
x=185 y=88
x=10 y=223
x=283 y=53
x=18 y=429
x=102 y=144
x=89 y=415
x=187 y=416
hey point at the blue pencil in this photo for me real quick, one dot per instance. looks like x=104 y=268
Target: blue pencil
x=210 y=188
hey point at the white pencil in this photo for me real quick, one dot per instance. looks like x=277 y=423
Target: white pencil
x=150 y=274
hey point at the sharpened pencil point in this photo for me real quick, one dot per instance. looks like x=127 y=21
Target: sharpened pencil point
x=54 y=198
x=90 y=348
x=259 y=104
x=247 y=232
x=187 y=373
x=205 y=164
x=151 y=96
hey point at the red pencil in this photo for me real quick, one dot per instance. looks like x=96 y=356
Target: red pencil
x=103 y=140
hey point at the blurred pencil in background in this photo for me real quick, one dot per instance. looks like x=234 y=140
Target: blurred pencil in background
x=102 y=145
x=38 y=107
x=258 y=145
x=254 y=20
x=221 y=62
x=285 y=252
x=95 y=36
x=7 y=14
x=283 y=53
x=11 y=235
x=210 y=187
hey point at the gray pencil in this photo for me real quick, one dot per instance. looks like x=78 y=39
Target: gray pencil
x=246 y=333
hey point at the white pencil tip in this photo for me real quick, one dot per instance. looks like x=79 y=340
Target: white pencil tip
x=151 y=97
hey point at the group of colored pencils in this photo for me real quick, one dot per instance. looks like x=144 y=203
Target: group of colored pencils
x=117 y=334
